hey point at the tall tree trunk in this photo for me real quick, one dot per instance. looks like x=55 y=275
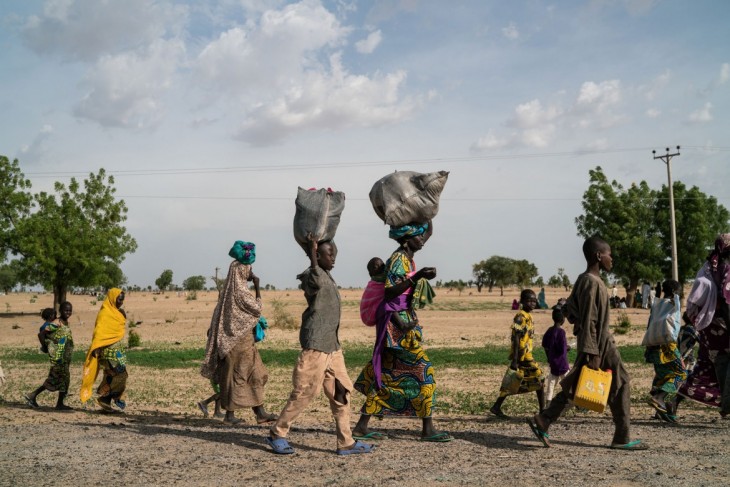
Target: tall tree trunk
x=631 y=292
x=59 y=294
x=501 y=290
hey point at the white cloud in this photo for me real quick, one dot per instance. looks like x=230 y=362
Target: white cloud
x=599 y=97
x=653 y=113
x=702 y=115
x=539 y=136
x=652 y=90
x=84 y=30
x=333 y=100
x=272 y=54
x=724 y=73
x=532 y=114
x=538 y=125
x=274 y=71
x=125 y=90
x=511 y=32
x=368 y=45
x=36 y=149
x=489 y=141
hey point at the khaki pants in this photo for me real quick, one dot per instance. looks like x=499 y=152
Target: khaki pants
x=316 y=369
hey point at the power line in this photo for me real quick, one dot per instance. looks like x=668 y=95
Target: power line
x=394 y=162
x=292 y=198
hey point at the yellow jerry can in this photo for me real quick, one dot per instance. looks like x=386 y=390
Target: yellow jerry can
x=592 y=389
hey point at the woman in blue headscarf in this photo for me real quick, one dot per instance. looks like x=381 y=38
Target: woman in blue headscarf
x=399 y=379
x=231 y=357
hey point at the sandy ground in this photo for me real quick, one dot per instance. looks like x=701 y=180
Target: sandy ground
x=163 y=439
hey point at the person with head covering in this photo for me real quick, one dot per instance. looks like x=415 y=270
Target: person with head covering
x=107 y=352
x=399 y=380
x=707 y=311
x=231 y=357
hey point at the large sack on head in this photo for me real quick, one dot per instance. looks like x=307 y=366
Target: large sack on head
x=318 y=213
x=406 y=196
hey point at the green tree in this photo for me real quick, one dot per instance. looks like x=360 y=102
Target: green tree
x=540 y=282
x=698 y=218
x=564 y=279
x=17 y=203
x=164 y=281
x=8 y=277
x=625 y=219
x=525 y=272
x=495 y=271
x=220 y=282
x=555 y=281
x=194 y=283
x=72 y=236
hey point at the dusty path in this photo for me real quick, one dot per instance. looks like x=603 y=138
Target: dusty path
x=43 y=448
x=163 y=440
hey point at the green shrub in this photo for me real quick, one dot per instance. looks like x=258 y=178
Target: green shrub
x=623 y=323
x=192 y=296
x=134 y=339
x=282 y=318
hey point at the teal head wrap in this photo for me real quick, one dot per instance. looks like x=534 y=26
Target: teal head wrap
x=405 y=231
x=243 y=252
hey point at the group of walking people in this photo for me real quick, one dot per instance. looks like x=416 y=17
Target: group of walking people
x=399 y=379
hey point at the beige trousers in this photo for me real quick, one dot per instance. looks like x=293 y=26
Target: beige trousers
x=313 y=370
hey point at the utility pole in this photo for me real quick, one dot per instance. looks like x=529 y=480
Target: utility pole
x=667 y=159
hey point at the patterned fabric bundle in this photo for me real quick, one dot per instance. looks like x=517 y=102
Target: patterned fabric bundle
x=243 y=252
x=410 y=230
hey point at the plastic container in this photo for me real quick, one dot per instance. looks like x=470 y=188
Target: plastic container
x=592 y=389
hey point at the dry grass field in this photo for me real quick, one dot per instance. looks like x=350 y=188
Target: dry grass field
x=162 y=439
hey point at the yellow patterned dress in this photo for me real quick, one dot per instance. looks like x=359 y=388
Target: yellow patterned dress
x=523 y=331
x=407 y=373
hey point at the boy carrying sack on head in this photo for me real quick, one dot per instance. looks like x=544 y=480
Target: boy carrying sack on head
x=321 y=363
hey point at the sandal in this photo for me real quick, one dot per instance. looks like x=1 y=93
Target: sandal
x=499 y=414
x=105 y=406
x=280 y=446
x=438 y=438
x=358 y=447
x=31 y=402
x=662 y=408
x=203 y=407
x=540 y=434
x=269 y=418
x=631 y=445
x=370 y=435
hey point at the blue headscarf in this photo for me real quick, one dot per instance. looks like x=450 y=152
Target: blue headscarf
x=410 y=230
x=243 y=252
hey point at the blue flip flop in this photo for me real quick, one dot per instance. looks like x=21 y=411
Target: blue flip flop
x=358 y=447
x=371 y=435
x=280 y=446
x=540 y=434
x=635 y=445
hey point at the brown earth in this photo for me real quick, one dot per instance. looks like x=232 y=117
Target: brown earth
x=163 y=439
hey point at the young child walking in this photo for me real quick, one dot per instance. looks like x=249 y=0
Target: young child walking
x=556 y=349
x=669 y=368
x=588 y=310
x=216 y=397
x=321 y=363
x=523 y=365
x=57 y=341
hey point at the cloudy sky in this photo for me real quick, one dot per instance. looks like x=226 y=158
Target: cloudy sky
x=210 y=114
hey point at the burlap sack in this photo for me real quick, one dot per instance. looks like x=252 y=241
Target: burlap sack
x=405 y=197
x=317 y=213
